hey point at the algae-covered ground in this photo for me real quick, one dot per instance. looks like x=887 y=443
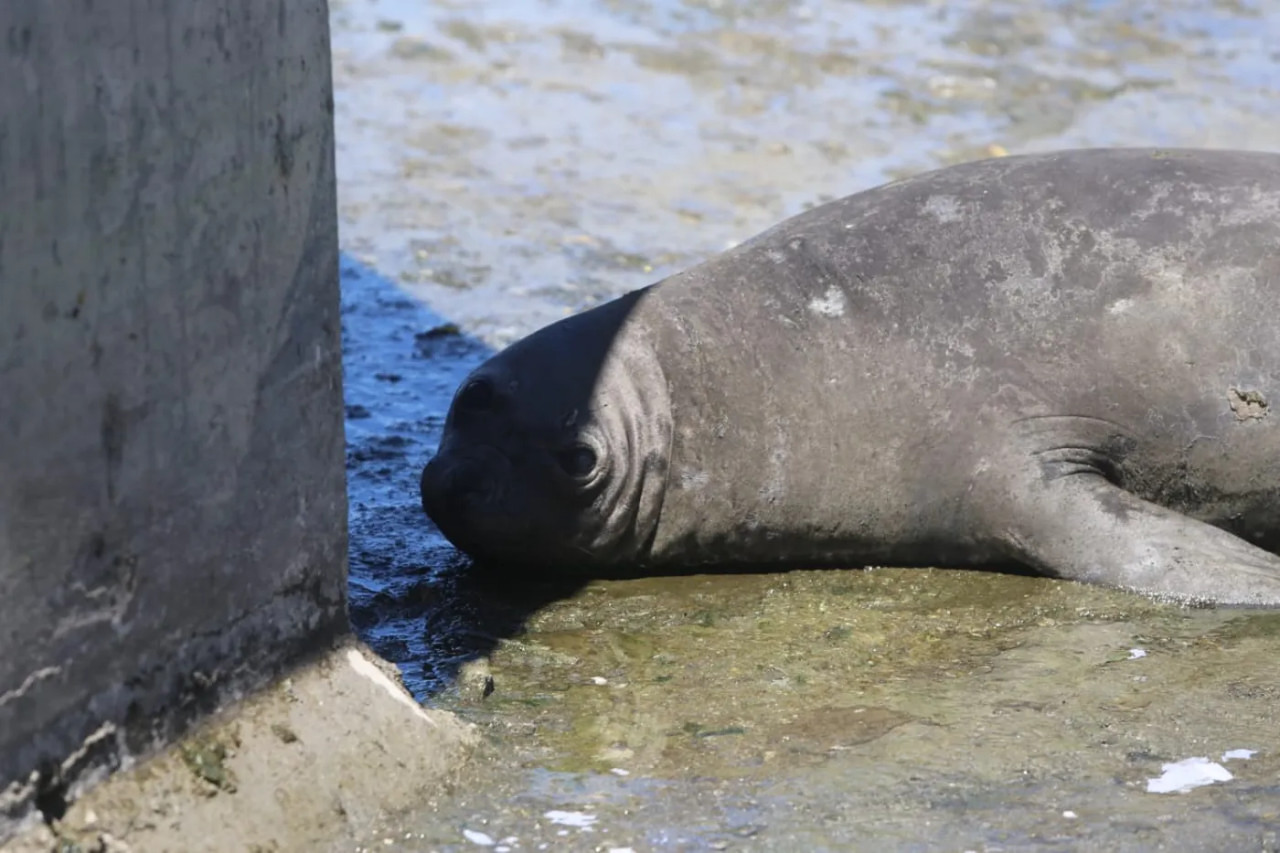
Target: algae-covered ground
x=889 y=709
x=505 y=163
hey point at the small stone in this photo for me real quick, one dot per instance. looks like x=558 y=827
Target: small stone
x=408 y=47
x=286 y=734
x=477 y=837
x=475 y=681
x=108 y=843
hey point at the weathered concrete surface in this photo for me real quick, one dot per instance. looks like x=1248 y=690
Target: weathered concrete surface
x=172 y=512
x=326 y=756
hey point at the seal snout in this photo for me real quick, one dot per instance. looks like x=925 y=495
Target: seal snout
x=464 y=494
x=450 y=485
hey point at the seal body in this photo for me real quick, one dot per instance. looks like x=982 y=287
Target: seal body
x=1066 y=361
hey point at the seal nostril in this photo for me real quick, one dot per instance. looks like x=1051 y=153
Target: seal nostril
x=455 y=485
x=459 y=481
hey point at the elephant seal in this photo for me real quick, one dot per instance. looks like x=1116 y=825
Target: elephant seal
x=1062 y=361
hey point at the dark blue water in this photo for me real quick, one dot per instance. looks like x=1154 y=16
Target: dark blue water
x=414 y=599
x=401 y=364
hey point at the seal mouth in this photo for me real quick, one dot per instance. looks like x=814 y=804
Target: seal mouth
x=456 y=489
x=473 y=502
x=476 y=508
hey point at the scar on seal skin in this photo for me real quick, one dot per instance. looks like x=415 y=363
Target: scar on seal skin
x=1018 y=361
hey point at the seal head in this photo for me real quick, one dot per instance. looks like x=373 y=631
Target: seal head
x=555 y=451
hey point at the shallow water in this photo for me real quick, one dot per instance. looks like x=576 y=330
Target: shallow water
x=503 y=164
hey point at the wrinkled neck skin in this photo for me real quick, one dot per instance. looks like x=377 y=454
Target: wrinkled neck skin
x=631 y=408
x=784 y=421
x=714 y=477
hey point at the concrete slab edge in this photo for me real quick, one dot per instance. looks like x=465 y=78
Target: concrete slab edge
x=323 y=754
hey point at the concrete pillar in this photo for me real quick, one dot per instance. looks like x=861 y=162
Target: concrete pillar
x=172 y=509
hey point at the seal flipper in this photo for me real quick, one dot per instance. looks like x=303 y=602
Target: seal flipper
x=1080 y=526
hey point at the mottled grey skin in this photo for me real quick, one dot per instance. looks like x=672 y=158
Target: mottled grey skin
x=1064 y=361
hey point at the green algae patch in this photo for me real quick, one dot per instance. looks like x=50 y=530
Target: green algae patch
x=207 y=761
x=1254 y=626
x=897 y=694
x=743 y=674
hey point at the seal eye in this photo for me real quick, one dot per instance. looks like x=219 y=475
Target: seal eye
x=477 y=396
x=577 y=461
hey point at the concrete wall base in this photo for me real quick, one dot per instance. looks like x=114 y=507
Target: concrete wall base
x=319 y=758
